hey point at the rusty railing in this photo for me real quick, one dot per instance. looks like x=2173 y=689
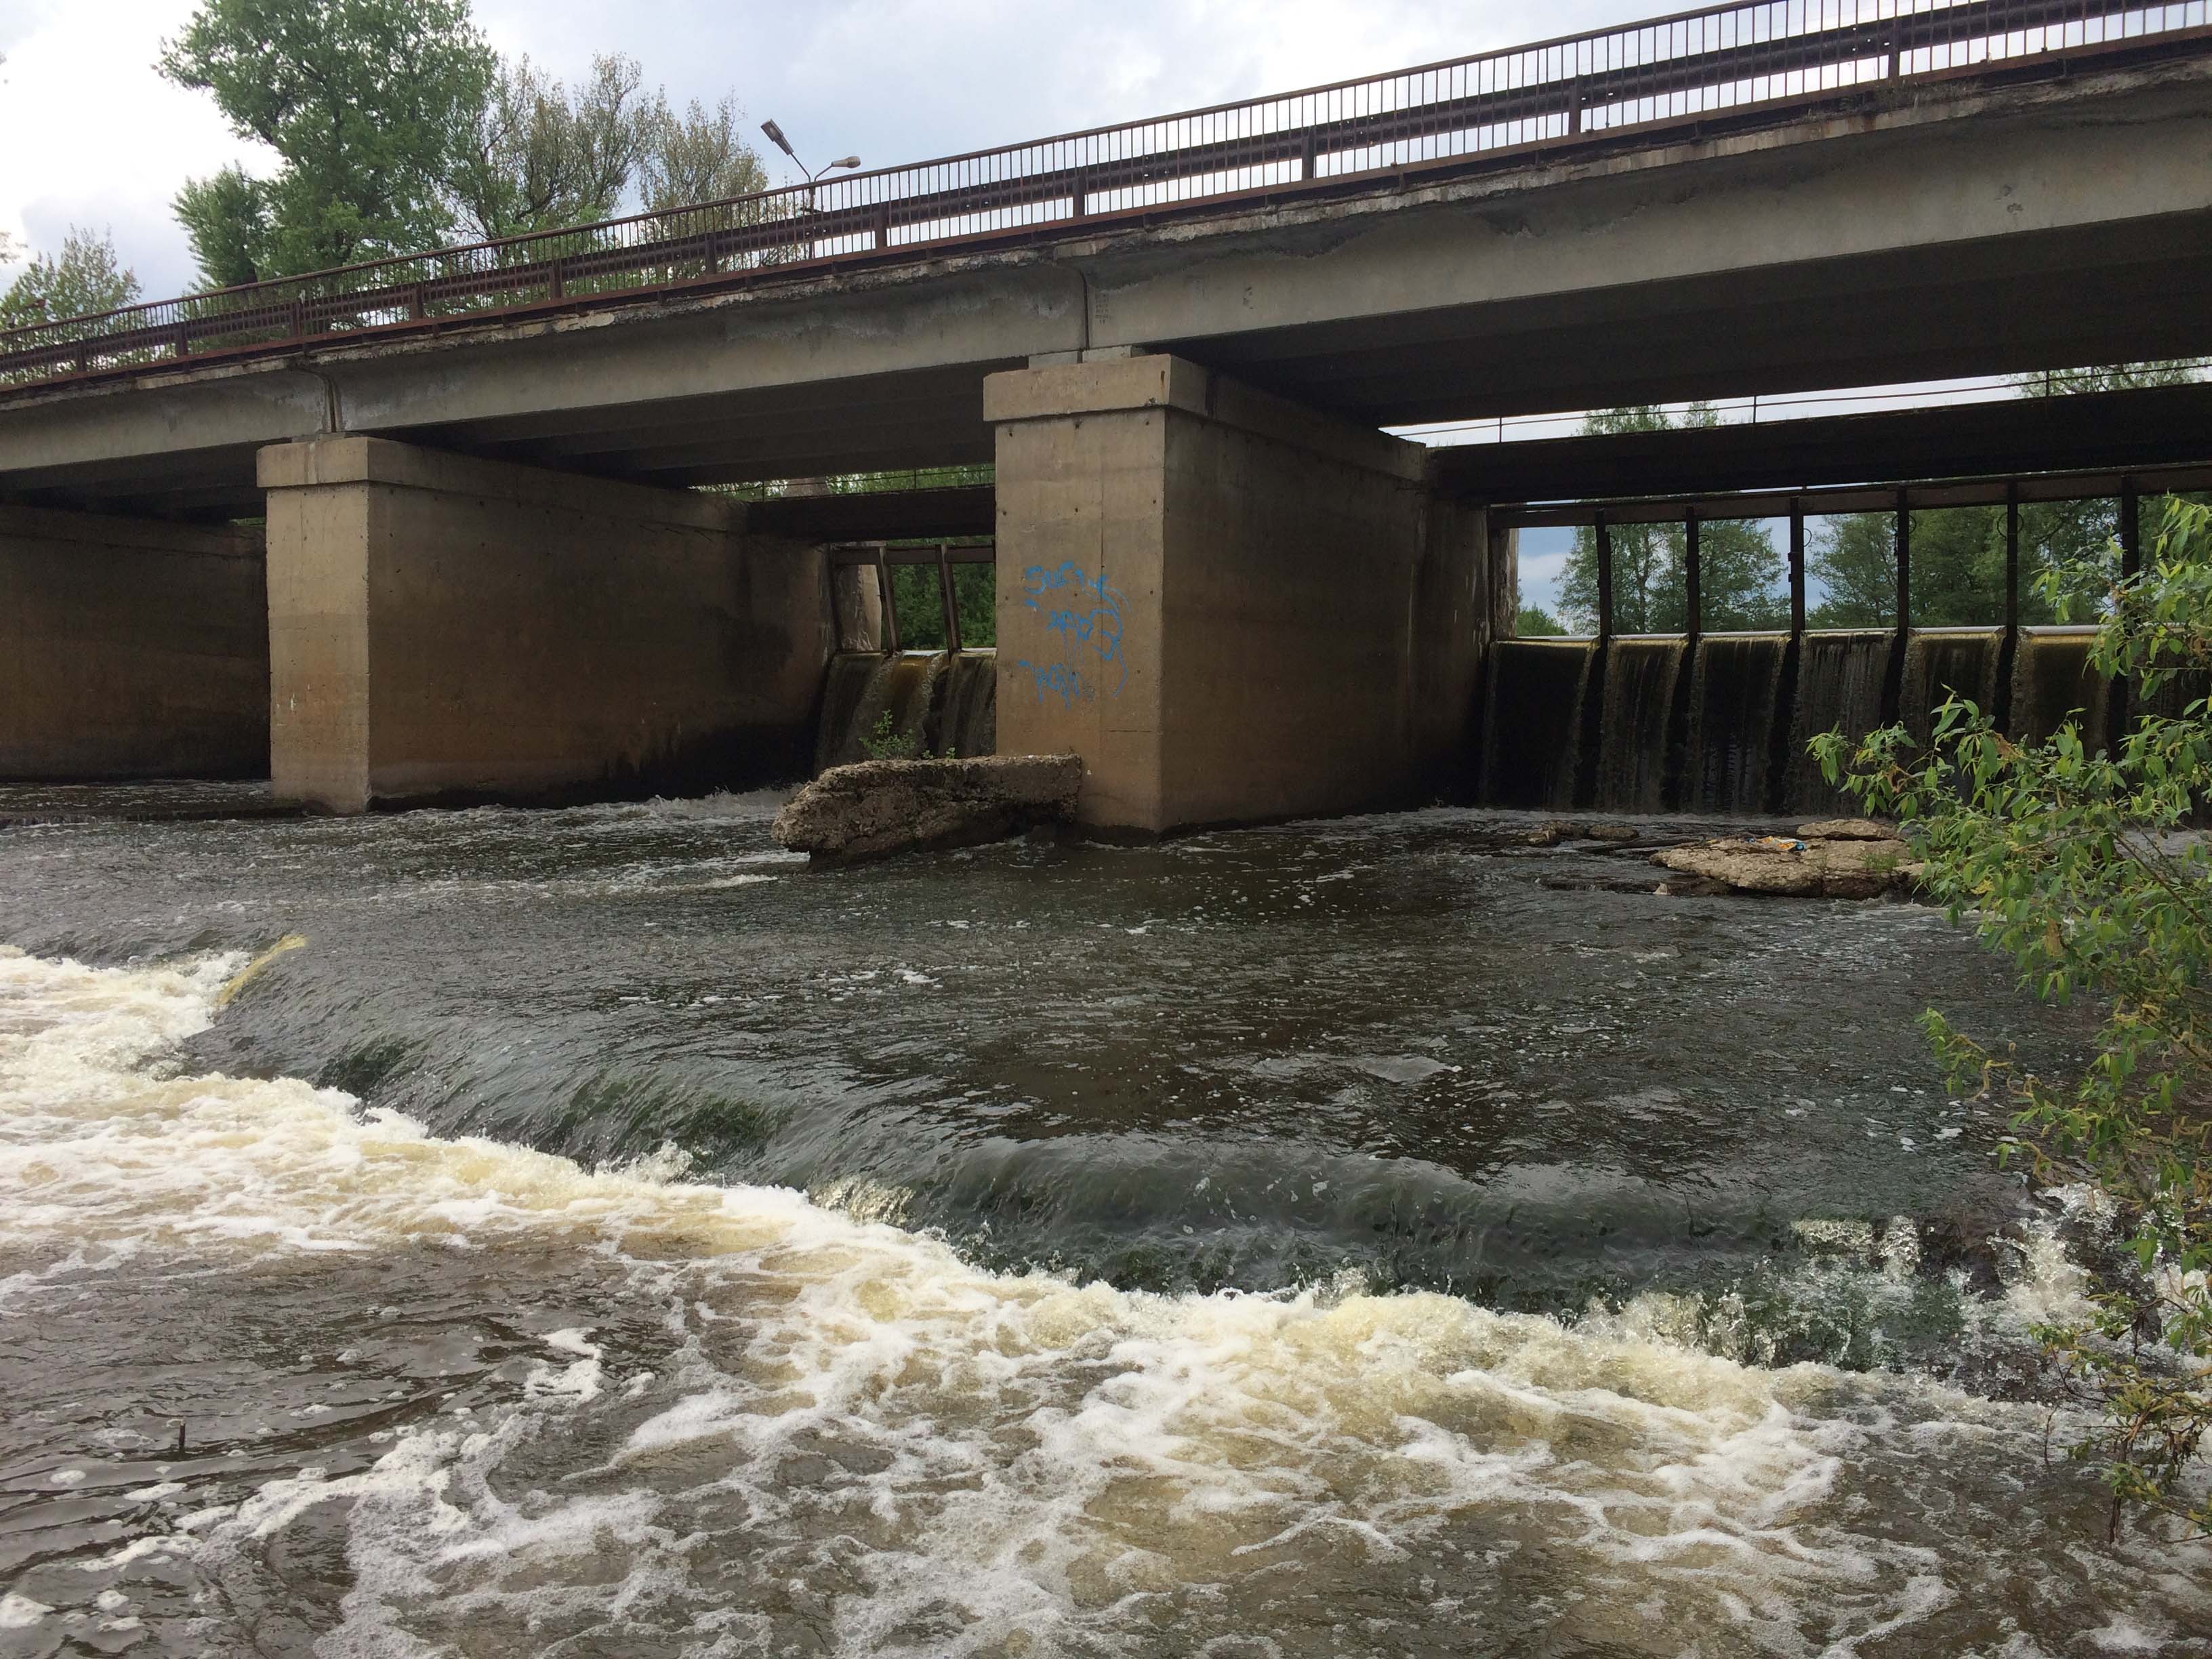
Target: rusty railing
x=1608 y=86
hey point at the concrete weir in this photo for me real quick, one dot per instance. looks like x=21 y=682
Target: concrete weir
x=130 y=648
x=1232 y=607
x=441 y=628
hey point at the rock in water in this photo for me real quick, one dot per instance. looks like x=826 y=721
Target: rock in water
x=1849 y=866
x=1848 y=829
x=878 y=808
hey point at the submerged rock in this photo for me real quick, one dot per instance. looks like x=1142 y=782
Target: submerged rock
x=1851 y=865
x=877 y=808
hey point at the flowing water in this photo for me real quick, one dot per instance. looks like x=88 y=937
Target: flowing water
x=595 y=1233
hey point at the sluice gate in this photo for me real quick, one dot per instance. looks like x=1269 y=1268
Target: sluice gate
x=1721 y=722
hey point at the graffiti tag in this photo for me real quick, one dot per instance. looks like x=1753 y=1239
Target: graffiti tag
x=1086 y=613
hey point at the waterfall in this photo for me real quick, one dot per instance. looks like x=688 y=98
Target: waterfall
x=970 y=722
x=1940 y=665
x=938 y=703
x=2052 y=682
x=1735 y=702
x=1840 y=681
x=1637 y=721
x=1532 y=721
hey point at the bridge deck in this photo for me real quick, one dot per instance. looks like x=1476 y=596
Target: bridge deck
x=1639 y=84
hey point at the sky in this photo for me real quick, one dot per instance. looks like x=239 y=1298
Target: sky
x=91 y=135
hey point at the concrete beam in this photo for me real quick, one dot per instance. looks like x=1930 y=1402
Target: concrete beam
x=444 y=628
x=130 y=649
x=2108 y=431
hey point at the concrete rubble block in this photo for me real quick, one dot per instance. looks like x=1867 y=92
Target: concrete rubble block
x=1848 y=829
x=878 y=808
x=1848 y=867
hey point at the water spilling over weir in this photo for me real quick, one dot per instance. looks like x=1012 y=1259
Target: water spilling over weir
x=1722 y=725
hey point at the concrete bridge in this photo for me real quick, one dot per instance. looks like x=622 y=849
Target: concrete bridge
x=488 y=571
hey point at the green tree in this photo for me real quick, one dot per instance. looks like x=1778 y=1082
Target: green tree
x=698 y=155
x=1958 y=564
x=226 y=218
x=540 y=155
x=369 y=105
x=1740 y=572
x=83 y=278
x=2067 y=861
x=1534 y=623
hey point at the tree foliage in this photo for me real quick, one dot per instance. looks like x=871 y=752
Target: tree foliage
x=1534 y=623
x=2074 y=863
x=1739 y=572
x=396 y=129
x=698 y=155
x=369 y=105
x=84 y=278
x=540 y=155
x=1958 y=564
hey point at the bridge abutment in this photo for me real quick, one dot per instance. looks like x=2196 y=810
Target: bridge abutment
x=130 y=648
x=1233 y=608
x=444 y=628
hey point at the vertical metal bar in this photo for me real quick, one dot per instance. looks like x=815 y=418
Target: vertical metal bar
x=891 y=608
x=951 y=598
x=2130 y=529
x=2012 y=559
x=1904 y=561
x=1797 y=565
x=1694 y=605
x=1604 y=579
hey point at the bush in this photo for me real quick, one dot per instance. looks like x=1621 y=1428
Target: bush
x=2077 y=865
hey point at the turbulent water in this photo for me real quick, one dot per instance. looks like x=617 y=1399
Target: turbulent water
x=594 y=1233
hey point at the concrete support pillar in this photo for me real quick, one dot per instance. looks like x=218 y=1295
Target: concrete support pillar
x=1234 y=609
x=130 y=648
x=445 y=628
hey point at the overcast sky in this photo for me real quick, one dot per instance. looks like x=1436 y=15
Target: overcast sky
x=90 y=135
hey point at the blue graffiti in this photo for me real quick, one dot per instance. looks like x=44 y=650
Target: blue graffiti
x=1055 y=677
x=1086 y=613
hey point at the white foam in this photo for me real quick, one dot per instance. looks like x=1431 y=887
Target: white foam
x=21 y=1612
x=1044 y=1457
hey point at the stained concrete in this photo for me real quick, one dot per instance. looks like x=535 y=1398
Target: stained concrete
x=130 y=648
x=1232 y=608
x=442 y=628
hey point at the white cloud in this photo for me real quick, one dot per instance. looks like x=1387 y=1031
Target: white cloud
x=90 y=135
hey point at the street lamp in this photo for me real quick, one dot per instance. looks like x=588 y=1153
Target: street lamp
x=775 y=136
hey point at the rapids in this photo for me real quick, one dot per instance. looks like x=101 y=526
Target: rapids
x=604 y=1235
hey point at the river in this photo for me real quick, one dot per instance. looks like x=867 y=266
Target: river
x=595 y=1232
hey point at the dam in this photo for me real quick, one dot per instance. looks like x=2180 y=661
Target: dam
x=467 y=1191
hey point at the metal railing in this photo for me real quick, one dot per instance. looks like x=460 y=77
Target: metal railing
x=1715 y=62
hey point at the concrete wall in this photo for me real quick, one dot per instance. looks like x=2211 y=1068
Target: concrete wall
x=1232 y=608
x=130 y=648
x=444 y=628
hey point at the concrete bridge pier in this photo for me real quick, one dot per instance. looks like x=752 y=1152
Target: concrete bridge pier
x=446 y=629
x=1232 y=607
x=130 y=648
